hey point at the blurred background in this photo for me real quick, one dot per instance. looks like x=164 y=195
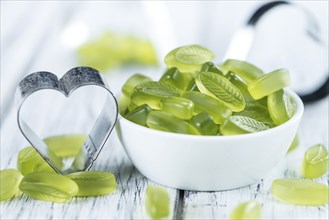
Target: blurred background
x=121 y=38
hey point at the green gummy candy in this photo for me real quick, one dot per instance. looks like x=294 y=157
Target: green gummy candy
x=65 y=150
x=236 y=95
x=193 y=54
x=157 y=202
x=300 y=192
x=123 y=102
x=219 y=87
x=315 y=163
x=139 y=115
x=151 y=93
x=9 y=179
x=58 y=162
x=93 y=183
x=238 y=83
x=112 y=50
x=247 y=210
x=65 y=145
x=242 y=125
x=79 y=161
x=246 y=71
x=178 y=106
x=281 y=107
x=269 y=83
x=176 y=79
x=29 y=160
x=48 y=186
x=164 y=121
x=211 y=67
x=256 y=111
x=205 y=124
x=132 y=82
x=171 y=61
x=192 y=86
x=205 y=103
x=131 y=106
x=188 y=58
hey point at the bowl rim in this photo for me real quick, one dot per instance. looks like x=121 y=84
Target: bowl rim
x=297 y=116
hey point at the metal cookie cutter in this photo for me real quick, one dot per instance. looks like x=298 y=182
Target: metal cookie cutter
x=100 y=131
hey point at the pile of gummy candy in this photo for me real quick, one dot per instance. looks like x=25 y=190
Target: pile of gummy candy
x=195 y=96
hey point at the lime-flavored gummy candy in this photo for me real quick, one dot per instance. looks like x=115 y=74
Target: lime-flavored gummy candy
x=157 y=202
x=29 y=160
x=180 y=107
x=238 y=83
x=131 y=106
x=242 y=125
x=164 y=121
x=9 y=179
x=256 y=101
x=57 y=161
x=79 y=161
x=139 y=115
x=205 y=124
x=63 y=148
x=246 y=71
x=112 y=50
x=205 y=103
x=151 y=93
x=192 y=86
x=256 y=111
x=93 y=183
x=269 y=83
x=222 y=89
x=280 y=106
x=48 y=186
x=300 y=192
x=211 y=67
x=188 y=58
x=123 y=102
x=176 y=79
x=251 y=104
x=315 y=163
x=65 y=145
x=247 y=210
x=193 y=54
x=132 y=82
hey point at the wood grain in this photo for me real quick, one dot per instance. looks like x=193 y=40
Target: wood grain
x=127 y=202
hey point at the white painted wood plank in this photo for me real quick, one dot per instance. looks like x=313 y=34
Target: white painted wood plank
x=218 y=205
x=127 y=201
x=20 y=54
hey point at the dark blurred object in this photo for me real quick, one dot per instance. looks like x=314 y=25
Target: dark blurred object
x=313 y=32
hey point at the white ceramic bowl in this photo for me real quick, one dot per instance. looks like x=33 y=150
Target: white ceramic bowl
x=207 y=163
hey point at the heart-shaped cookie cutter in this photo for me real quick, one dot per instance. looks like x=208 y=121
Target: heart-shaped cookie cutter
x=100 y=131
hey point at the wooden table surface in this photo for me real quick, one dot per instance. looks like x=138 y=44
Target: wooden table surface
x=35 y=47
